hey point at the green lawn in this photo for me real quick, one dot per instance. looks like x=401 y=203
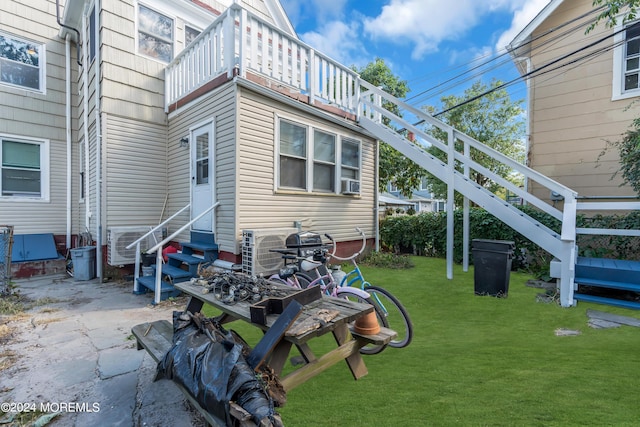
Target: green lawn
x=479 y=361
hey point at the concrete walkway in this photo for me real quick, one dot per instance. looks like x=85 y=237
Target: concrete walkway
x=76 y=354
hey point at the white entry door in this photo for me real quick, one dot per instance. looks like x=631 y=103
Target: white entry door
x=202 y=177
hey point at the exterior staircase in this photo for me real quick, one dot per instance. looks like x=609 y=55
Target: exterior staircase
x=182 y=266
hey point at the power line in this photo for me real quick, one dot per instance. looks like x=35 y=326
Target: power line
x=506 y=52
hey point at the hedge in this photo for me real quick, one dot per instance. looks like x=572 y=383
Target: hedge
x=426 y=234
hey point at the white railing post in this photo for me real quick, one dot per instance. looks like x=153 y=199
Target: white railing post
x=568 y=262
x=158 y=284
x=450 y=204
x=136 y=273
x=243 y=46
x=313 y=76
x=465 y=214
x=229 y=42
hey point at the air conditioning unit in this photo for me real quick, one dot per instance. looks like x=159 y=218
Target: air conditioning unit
x=118 y=238
x=350 y=186
x=256 y=257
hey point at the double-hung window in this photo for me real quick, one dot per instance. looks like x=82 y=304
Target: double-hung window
x=626 y=62
x=190 y=33
x=155 y=34
x=315 y=160
x=24 y=171
x=22 y=63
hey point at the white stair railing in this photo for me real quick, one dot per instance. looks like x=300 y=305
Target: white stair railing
x=136 y=243
x=456 y=169
x=157 y=247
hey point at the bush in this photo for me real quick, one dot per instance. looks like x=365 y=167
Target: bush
x=426 y=234
x=387 y=260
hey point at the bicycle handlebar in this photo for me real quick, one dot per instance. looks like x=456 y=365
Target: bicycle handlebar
x=355 y=255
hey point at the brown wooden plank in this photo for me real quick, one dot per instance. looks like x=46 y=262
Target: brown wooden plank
x=262 y=349
x=354 y=360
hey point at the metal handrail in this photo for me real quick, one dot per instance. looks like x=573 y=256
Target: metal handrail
x=158 y=283
x=158 y=226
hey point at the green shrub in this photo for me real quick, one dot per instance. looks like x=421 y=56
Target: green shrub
x=387 y=260
x=426 y=234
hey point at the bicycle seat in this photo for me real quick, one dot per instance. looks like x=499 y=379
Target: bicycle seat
x=287 y=272
x=309 y=264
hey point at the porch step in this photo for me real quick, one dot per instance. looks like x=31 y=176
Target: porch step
x=175 y=273
x=192 y=262
x=166 y=289
x=608 y=301
x=606 y=273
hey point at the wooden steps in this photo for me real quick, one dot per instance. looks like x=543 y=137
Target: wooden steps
x=610 y=274
x=182 y=266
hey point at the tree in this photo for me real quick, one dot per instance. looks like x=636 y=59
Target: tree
x=611 y=11
x=394 y=167
x=494 y=120
x=629 y=151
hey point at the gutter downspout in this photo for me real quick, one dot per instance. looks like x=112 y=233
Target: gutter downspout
x=96 y=40
x=68 y=132
x=85 y=123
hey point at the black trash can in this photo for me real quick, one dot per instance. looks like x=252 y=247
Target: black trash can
x=492 y=266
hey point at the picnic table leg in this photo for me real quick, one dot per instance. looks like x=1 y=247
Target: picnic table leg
x=355 y=362
x=279 y=356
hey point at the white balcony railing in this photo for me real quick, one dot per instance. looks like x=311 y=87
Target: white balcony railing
x=239 y=42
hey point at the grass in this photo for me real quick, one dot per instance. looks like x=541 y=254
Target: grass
x=478 y=361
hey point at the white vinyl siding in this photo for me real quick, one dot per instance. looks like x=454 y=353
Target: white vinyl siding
x=260 y=204
x=22 y=62
x=221 y=106
x=135 y=172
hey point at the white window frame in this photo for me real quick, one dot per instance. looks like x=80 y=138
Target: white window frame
x=310 y=160
x=193 y=27
x=138 y=30
x=619 y=64
x=42 y=64
x=44 y=168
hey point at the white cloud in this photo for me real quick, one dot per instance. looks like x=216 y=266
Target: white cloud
x=339 y=41
x=426 y=23
x=521 y=17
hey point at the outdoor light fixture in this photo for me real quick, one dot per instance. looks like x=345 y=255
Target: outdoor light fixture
x=184 y=142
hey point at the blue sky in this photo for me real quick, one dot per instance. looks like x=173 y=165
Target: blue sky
x=424 y=42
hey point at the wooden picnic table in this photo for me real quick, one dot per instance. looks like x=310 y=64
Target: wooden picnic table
x=348 y=342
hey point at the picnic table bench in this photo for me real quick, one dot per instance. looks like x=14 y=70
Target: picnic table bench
x=156 y=338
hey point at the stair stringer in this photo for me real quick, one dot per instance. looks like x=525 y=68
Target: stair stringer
x=506 y=212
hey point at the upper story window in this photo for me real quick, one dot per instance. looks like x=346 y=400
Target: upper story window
x=190 y=34
x=632 y=58
x=314 y=160
x=21 y=62
x=155 y=34
x=24 y=168
x=626 y=62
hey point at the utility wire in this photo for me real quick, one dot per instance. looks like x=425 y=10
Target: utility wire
x=531 y=73
x=506 y=52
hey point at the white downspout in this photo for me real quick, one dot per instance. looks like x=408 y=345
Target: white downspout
x=96 y=40
x=85 y=120
x=376 y=200
x=68 y=132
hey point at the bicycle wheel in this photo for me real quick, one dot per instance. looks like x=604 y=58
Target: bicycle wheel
x=303 y=280
x=344 y=292
x=395 y=314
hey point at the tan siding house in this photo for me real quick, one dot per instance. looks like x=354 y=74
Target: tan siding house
x=575 y=104
x=96 y=136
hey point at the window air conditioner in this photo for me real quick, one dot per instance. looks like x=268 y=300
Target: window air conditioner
x=350 y=186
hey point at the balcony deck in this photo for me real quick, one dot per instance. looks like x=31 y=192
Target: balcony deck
x=239 y=44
